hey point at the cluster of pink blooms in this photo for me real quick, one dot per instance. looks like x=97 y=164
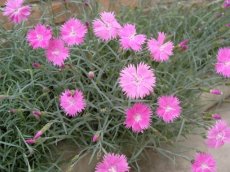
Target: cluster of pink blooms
x=72 y=33
x=217 y=136
x=136 y=81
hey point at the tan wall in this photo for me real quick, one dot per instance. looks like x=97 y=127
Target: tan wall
x=61 y=9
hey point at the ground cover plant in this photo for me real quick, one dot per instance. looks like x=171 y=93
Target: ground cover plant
x=111 y=83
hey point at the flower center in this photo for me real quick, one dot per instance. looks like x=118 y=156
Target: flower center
x=162 y=47
x=220 y=136
x=168 y=109
x=56 y=52
x=204 y=166
x=72 y=101
x=227 y=64
x=17 y=11
x=137 y=118
x=72 y=33
x=131 y=37
x=108 y=26
x=138 y=80
x=39 y=37
x=112 y=169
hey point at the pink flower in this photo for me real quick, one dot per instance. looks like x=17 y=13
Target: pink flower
x=184 y=44
x=138 y=117
x=113 y=163
x=223 y=62
x=39 y=37
x=37 y=135
x=218 y=135
x=168 y=108
x=216 y=92
x=56 y=52
x=227 y=25
x=72 y=102
x=73 y=32
x=137 y=82
x=226 y=3
x=129 y=39
x=204 y=162
x=30 y=141
x=216 y=116
x=16 y=12
x=159 y=50
x=106 y=28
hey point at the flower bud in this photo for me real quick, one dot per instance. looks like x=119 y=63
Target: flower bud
x=30 y=141
x=184 y=44
x=216 y=92
x=216 y=116
x=96 y=137
x=37 y=114
x=36 y=65
x=13 y=110
x=91 y=75
x=38 y=135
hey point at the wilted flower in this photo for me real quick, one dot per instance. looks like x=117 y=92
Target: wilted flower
x=72 y=102
x=73 y=32
x=137 y=82
x=218 y=135
x=138 y=117
x=15 y=10
x=113 y=163
x=159 y=50
x=204 y=162
x=168 y=108
x=56 y=52
x=129 y=39
x=106 y=28
x=39 y=36
x=223 y=62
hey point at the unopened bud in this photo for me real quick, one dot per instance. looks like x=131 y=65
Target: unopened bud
x=91 y=75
